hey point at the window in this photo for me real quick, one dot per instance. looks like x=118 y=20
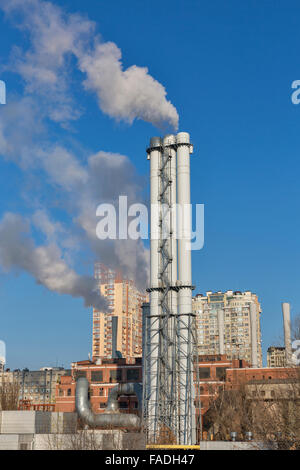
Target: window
x=101 y=392
x=132 y=374
x=97 y=376
x=115 y=375
x=123 y=405
x=221 y=372
x=102 y=405
x=204 y=372
x=69 y=392
x=61 y=392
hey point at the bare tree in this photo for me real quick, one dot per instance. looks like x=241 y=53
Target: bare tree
x=9 y=394
x=295 y=328
x=270 y=411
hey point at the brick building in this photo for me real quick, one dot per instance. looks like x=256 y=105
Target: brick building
x=237 y=377
x=212 y=376
x=102 y=376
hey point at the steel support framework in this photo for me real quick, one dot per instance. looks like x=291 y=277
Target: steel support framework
x=171 y=351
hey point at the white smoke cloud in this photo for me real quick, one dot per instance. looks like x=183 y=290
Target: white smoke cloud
x=55 y=36
x=80 y=187
x=126 y=94
x=122 y=94
x=45 y=262
x=45 y=66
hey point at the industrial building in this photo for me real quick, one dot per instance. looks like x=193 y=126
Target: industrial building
x=212 y=376
x=118 y=331
x=226 y=325
x=102 y=375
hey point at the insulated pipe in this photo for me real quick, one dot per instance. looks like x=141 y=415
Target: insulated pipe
x=221 y=330
x=184 y=227
x=287 y=332
x=253 y=322
x=112 y=417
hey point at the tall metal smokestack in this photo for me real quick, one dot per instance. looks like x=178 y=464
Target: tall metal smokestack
x=184 y=225
x=287 y=332
x=169 y=408
x=253 y=323
x=154 y=155
x=221 y=330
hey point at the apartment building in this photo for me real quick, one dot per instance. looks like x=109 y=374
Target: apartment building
x=276 y=356
x=237 y=335
x=36 y=387
x=118 y=332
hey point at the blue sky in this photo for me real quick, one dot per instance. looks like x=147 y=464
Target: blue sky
x=227 y=68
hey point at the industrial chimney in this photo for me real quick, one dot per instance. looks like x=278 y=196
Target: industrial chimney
x=287 y=332
x=169 y=389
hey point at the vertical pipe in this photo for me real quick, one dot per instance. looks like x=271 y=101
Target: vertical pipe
x=154 y=153
x=287 y=332
x=221 y=330
x=253 y=322
x=187 y=408
x=114 y=328
x=184 y=222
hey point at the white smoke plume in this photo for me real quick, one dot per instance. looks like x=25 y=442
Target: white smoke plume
x=80 y=187
x=129 y=94
x=55 y=36
x=126 y=94
x=45 y=263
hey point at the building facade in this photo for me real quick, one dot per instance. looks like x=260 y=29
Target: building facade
x=37 y=387
x=212 y=370
x=237 y=335
x=102 y=376
x=276 y=356
x=117 y=333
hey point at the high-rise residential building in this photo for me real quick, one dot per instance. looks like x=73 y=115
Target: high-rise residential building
x=234 y=310
x=118 y=332
x=276 y=356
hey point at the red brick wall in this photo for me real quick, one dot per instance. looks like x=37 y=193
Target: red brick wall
x=65 y=391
